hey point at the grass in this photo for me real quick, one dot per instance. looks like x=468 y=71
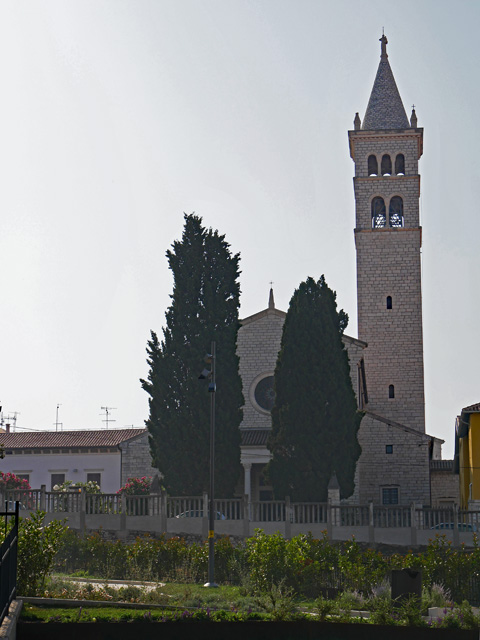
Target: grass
x=45 y=614
x=172 y=594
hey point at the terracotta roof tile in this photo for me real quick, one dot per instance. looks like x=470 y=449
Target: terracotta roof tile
x=68 y=439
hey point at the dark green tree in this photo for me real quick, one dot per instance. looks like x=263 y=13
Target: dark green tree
x=315 y=419
x=204 y=307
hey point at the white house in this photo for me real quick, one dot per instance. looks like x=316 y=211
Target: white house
x=107 y=456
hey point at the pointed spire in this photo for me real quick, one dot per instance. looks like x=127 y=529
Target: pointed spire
x=271 y=301
x=357 y=123
x=385 y=108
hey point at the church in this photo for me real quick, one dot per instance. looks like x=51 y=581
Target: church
x=397 y=464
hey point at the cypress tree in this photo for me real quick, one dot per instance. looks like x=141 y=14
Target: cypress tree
x=204 y=307
x=315 y=419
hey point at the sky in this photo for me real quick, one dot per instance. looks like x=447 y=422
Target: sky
x=117 y=116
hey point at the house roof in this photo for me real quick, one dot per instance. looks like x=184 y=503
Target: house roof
x=385 y=108
x=68 y=439
x=441 y=465
x=473 y=408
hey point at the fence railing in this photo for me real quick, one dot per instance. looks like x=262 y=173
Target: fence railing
x=8 y=561
x=334 y=515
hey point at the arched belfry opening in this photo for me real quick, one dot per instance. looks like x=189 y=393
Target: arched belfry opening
x=395 y=212
x=386 y=165
x=372 y=165
x=379 y=217
x=400 y=165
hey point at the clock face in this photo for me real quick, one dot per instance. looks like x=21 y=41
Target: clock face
x=265 y=394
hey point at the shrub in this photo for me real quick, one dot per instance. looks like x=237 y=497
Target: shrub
x=11 y=481
x=38 y=544
x=137 y=486
x=69 y=485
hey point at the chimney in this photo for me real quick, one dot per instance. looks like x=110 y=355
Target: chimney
x=7 y=427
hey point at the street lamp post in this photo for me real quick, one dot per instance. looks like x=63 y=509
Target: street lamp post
x=210 y=358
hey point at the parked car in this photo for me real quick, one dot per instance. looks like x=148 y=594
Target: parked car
x=462 y=526
x=195 y=513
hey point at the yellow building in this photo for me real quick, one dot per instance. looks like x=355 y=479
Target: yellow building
x=467 y=456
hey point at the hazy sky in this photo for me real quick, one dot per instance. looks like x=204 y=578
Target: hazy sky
x=117 y=116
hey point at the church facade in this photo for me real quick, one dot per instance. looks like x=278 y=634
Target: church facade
x=386 y=361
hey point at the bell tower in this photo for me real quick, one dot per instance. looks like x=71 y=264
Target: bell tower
x=386 y=148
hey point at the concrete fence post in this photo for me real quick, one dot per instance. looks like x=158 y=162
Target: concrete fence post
x=456 y=536
x=246 y=516
x=288 y=519
x=371 y=524
x=122 y=507
x=83 y=511
x=413 y=525
x=163 y=511
x=43 y=498
x=330 y=520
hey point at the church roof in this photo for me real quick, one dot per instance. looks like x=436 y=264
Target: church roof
x=385 y=108
x=253 y=437
x=271 y=309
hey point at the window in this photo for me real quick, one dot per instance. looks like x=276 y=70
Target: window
x=389 y=448
x=391 y=391
x=94 y=477
x=386 y=165
x=262 y=392
x=389 y=302
x=395 y=212
x=389 y=495
x=23 y=476
x=372 y=166
x=379 y=218
x=400 y=164
x=56 y=478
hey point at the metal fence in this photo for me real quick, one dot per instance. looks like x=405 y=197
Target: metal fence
x=8 y=561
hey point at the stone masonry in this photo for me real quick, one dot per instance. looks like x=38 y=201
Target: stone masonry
x=258 y=344
x=394 y=466
x=395 y=449
x=136 y=458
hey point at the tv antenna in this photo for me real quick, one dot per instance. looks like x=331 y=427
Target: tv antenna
x=9 y=420
x=107 y=415
x=57 y=423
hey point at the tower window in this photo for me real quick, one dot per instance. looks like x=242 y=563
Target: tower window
x=379 y=217
x=389 y=302
x=372 y=166
x=395 y=212
x=386 y=165
x=389 y=448
x=391 y=391
x=400 y=164
x=389 y=495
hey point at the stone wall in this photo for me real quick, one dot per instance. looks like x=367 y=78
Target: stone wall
x=136 y=459
x=258 y=344
x=405 y=468
x=388 y=264
x=445 y=485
